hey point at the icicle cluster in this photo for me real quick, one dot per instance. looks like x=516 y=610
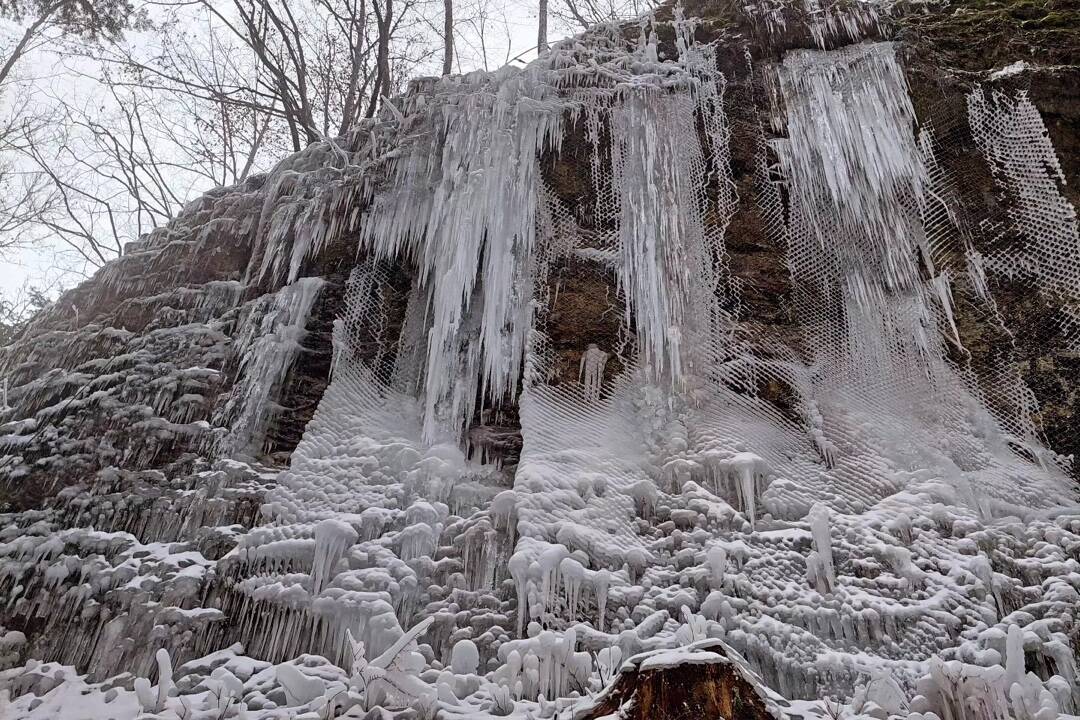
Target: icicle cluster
x=840 y=506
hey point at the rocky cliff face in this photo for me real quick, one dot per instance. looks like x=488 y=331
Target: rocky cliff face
x=755 y=327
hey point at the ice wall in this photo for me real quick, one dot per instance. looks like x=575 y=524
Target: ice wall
x=885 y=534
x=267 y=343
x=804 y=541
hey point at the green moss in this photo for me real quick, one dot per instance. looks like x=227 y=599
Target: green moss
x=980 y=35
x=1066 y=20
x=721 y=14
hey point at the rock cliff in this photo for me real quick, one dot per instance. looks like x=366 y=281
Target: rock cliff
x=750 y=330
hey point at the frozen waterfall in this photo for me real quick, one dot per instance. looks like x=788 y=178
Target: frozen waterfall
x=550 y=255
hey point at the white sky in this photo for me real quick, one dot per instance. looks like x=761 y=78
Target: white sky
x=510 y=32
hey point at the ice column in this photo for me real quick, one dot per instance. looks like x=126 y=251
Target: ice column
x=819 y=564
x=591 y=371
x=666 y=255
x=332 y=539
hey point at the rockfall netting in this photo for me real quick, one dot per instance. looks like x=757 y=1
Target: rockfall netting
x=847 y=500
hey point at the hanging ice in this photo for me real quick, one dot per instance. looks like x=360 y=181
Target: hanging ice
x=268 y=345
x=829 y=488
x=591 y=371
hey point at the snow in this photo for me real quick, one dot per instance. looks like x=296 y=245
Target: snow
x=1010 y=70
x=891 y=538
x=464 y=658
x=674 y=658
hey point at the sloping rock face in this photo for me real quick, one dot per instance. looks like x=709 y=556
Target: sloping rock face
x=128 y=403
x=750 y=322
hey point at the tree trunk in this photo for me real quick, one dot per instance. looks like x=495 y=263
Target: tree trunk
x=541 y=35
x=354 y=97
x=448 y=34
x=20 y=47
x=384 y=49
x=382 y=58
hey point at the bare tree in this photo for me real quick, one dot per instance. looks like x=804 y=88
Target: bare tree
x=272 y=31
x=104 y=176
x=214 y=140
x=226 y=88
x=482 y=18
x=44 y=23
x=290 y=46
x=351 y=23
x=316 y=67
x=583 y=14
x=102 y=170
x=49 y=19
x=384 y=16
x=209 y=96
x=18 y=189
x=15 y=311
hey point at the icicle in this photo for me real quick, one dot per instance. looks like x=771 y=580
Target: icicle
x=164 y=665
x=591 y=371
x=332 y=539
x=820 y=563
x=717 y=561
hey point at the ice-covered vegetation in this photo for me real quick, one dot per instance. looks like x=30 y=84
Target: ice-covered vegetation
x=890 y=539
